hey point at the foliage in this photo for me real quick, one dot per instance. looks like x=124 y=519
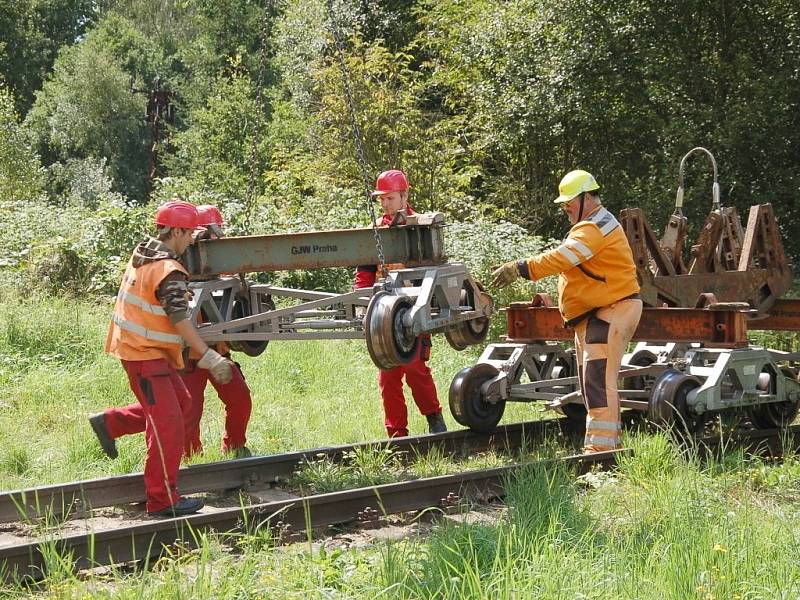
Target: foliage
x=623 y=89
x=82 y=183
x=141 y=57
x=398 y=132
x=74 y=250
x=21 y=174
x=31 y=33
x=215 y=153
x=86 y=109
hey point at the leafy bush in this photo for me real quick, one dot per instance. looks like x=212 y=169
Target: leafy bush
x=82 y=183
x=483 y=245
x=21 y=174
x=73 y=251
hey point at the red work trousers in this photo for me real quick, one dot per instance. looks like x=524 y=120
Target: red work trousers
x=161 y=411
x=235 y=395
x=423 y=389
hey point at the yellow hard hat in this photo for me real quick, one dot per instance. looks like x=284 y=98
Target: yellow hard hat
x=574 y=183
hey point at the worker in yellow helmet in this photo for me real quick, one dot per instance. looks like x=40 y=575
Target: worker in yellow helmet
x=598 y=296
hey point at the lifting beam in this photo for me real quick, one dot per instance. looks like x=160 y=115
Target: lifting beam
x=417 y=244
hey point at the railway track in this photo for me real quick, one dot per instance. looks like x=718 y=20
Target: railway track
x=70 y=516
x=147 y=539
x=79 y=497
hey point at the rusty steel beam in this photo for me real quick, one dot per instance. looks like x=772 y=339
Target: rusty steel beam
x=727 y=286
x=784 y=315
x=412 y=245
x=715 y=328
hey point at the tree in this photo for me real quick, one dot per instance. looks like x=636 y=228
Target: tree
x=31 y=33
x=214 y=153
x=622 y=89
x=86 y=109
x=21 y=173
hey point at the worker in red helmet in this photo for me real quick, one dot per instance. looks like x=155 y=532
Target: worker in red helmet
x=148 y=331
x=235 y=394
x=209 y=222
x=391 y=188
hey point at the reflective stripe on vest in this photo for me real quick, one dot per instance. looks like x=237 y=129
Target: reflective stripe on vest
x=155 y=309
x=140 y=329
x=605 y=221
x=149 y=334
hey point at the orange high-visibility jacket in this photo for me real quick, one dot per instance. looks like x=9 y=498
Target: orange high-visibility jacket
x=140 y=329
x=595 y=263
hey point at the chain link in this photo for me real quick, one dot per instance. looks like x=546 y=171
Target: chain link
x=357 y=137
x=253 y=158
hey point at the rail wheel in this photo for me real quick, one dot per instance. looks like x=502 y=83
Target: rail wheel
x=466 y=401
x=641 y=382
x=242 y=308
x=667 y=406
x=388 y=341
x=774 y=415
x=468 y=333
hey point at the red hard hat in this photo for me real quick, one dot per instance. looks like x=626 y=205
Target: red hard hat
x=391 y=181
x=177 y=213
x=208 y=214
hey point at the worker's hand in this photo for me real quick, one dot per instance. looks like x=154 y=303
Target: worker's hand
x=505 y=274
x=220 y=367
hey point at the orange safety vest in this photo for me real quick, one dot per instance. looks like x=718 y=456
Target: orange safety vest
x=139 y=328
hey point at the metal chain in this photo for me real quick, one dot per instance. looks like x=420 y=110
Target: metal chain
x=253 y=158
x=356 y=131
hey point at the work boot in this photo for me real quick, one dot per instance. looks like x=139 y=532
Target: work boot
x=107 y=443
x=184 y=506
x=240 y=452
x=436 y=423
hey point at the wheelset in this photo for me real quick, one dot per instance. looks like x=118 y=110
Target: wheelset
x=389 y=341
x=467 y=402
x=242 y=308
x=468 y=333
x=668 y=407
x=775 y=415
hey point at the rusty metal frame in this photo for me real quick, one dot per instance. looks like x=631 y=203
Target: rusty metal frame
x=735 y=263
x=725 y=328
x=784 y=315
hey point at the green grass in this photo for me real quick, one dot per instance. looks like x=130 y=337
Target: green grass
x=305 y=394
x=662 y=526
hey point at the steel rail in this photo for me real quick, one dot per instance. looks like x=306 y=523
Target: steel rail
x=147 y=540
x=79 y=496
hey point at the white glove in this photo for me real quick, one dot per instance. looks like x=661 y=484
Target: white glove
x=220 y=367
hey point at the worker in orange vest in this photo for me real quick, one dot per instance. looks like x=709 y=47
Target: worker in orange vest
x=392 y=190
x=598 y=296
x=148 y=331
x=235 y=394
